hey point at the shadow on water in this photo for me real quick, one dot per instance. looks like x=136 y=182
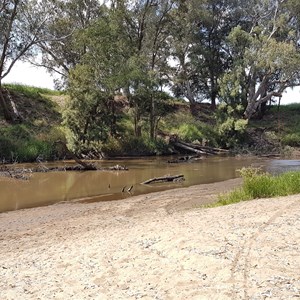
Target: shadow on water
x=90 y=186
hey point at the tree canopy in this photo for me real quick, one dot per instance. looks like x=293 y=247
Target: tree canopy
x=240 y=53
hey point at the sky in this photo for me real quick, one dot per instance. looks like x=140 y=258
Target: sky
x=25 y=73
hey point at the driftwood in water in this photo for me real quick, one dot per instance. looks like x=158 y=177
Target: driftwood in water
x=43 y=168
x=83 y=166
x=86 y=166
x=20 y=174
x=25 y=174
x=166 y=178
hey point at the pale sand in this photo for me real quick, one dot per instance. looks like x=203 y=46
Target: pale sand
x=156 y=246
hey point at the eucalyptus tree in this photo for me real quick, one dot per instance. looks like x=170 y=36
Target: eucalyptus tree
x=265 y=55
x=200 y=49
x=69 y=18
x=146 y=27
x=184 y=75
x=95 y=82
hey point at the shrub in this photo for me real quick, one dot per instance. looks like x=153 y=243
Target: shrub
x=18 y=143
x=189 y=133
x=134 y=146
x=229 y=126
x=292 y=139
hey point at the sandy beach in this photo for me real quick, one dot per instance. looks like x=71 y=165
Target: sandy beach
x=158 y=246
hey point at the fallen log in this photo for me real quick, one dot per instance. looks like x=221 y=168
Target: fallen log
x=207 y=148
x=166 y=178
x=199 y=149
x=85 y=166
x=188 y=148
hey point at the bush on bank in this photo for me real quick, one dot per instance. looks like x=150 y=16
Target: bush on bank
x=19 y=144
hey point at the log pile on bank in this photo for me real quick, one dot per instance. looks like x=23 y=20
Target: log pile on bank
x=198 y=149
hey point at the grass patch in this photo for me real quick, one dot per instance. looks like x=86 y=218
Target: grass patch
x=36 y=135
x=292 y=107
x=30 y=91
x=257 y=184
x=135 y=146
x=19 y=143
x=291 y=139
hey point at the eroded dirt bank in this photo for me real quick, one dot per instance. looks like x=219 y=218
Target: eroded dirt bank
x=156 y=246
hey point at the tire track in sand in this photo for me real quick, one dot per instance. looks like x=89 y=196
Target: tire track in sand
x=243 y=256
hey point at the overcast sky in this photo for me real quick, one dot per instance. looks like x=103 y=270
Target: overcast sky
x=27 y=74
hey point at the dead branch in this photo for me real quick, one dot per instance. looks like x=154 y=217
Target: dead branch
x=166 y=178
x=86 y=166
x=188 y=148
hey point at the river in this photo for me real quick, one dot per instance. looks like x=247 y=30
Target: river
x=52 y=187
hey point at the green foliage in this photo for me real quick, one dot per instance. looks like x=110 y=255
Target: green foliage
x=257 y=184
x=187 y=128
x=230 y=87
x=292 y=107
x=279 y=127
x=40 y=129
x=87 y=115
x=292 y=139
x=102 y=55
x=133 y=146
x=235 y=196
x=229 y=126
x=264 y=59
x=189 y=133
x=18 y=143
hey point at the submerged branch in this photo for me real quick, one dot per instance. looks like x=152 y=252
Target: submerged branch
x=25 y=173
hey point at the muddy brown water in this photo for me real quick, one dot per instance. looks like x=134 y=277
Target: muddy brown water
x=49 y=188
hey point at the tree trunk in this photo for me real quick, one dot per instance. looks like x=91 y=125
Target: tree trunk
x=250 y=110
x=188 y=148
x=7 y=113
x=193 y=108
x=113 y=123
x=213 y=99
x=214 y=92
x=137 y=126
x=152 y=119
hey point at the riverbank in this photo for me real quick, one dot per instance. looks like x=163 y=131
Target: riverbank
x=156 y=246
